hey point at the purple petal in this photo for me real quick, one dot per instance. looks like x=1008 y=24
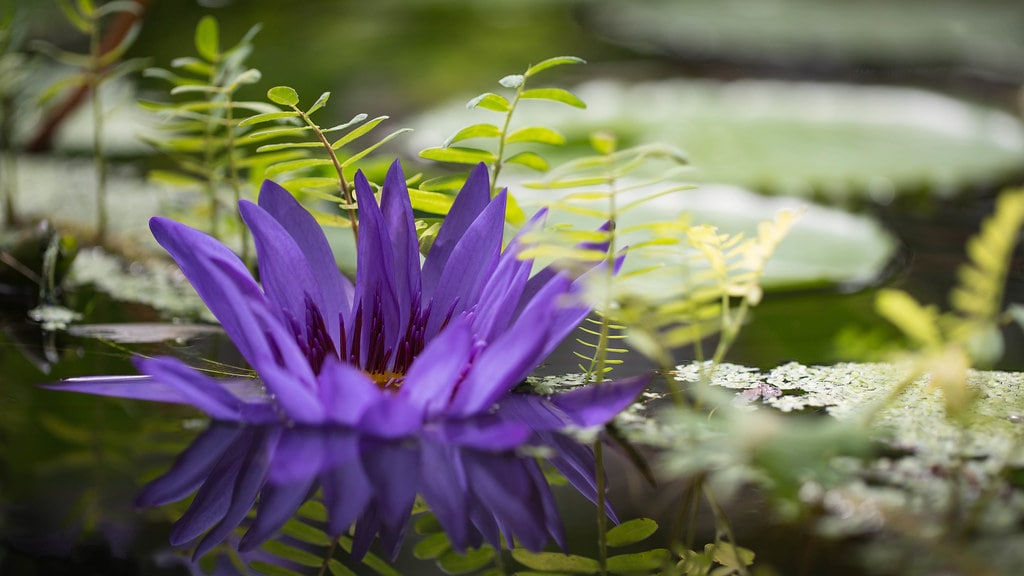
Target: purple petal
x=391 y=417
x=198 y=389
x=553 y=520
x=346 y=392
x=213 y=499
x=503 y=290
x=299 y=456
x=285 y=371
x=195 y=252
x=338 y=292
x=134 y=387
x=510 y=494
x=287 y=277
x=397 y=211
x=278 y=503
x=471 y=263
x=576 y=462
x=392 y=469
x=233 y=296
x=190 y=469
x=487 y=432
x=505 y=362
x=375 y=274
x=345 y=486
x=470 y=202
x=247 y=487
x=438 y=369
x=597 y=404
x=443 y=485
x=535 y=411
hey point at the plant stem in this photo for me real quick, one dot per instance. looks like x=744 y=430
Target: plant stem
x=343 y=187
x=236 y=186
x=327 y=559
x=10 y=180
x=504 y=135
x=602 y=517
x=95 y=74
x=722 y=522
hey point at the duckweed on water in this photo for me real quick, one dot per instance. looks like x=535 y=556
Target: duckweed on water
x=924 y=467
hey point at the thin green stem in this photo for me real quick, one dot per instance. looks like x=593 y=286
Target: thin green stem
x=504 y=135
x=722 y=524
x=346 y=192
x=602 y=517
x=209 y=128
x=94 y=77
x=236 y=186
x=324 y=566
x=10 y=180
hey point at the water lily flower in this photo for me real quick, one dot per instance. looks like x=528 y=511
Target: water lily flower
x=430 y=353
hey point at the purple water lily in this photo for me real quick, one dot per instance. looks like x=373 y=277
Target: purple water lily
x=427 y=353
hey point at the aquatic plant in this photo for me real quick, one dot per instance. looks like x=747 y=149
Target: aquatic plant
x=102 y=64
x=947 y=345
x=201 y=132
x=406 y=352
x=288 y=163
x=504 y=137
x=12 y=87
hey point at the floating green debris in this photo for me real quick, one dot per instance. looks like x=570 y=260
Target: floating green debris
x=157 y=283
x=52 y=317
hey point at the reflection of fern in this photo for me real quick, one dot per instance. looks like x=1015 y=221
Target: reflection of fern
x=201 y=134
x=303 y=175
x=502 y=136
x=303 y=547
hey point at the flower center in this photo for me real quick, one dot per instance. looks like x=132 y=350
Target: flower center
x=384 y=357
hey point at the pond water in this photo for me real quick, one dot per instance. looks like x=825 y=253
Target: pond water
x=72 y=464
x=894 y=180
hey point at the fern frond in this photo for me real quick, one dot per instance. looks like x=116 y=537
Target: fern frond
x=303 y=175
x=978 y=295
x=202 y=134
x=504 y=145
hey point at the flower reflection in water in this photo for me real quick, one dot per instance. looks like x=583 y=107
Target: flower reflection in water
x=374 y=391
x=479 y=494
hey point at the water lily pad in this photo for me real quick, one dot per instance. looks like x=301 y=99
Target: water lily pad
x=826 y=245
x=984 y=34
x=831 y=142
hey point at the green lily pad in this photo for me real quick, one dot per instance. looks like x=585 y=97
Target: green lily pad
x=826 y=245
x=983 y=33
x=837 y=143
